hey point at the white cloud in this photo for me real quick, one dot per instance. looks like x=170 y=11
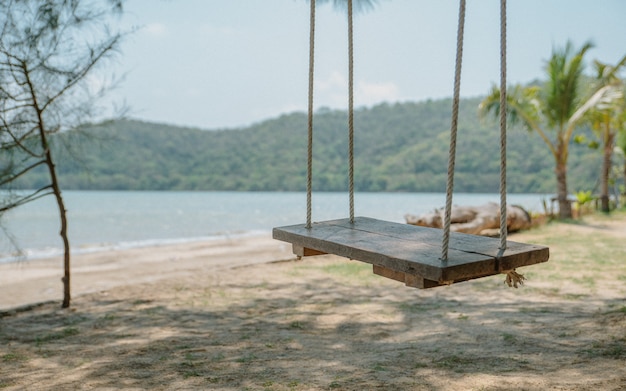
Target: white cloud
x=333 y=82
x=371 y=93
x=333 y=92
x=155 y=29
x=95 y=83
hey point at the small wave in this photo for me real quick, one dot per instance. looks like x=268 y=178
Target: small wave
x=52 y=252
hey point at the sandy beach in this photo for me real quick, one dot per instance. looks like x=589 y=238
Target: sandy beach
x=244 y=315
x=27 y=282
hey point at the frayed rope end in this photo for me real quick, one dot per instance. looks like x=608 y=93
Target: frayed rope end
x=514 y=279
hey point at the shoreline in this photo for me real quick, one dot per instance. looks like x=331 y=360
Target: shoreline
x=82 y=249
x=39 y=280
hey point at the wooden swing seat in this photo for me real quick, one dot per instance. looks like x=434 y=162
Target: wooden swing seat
x=408 y=253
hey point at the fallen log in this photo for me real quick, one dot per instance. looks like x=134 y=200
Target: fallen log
x=477 y=220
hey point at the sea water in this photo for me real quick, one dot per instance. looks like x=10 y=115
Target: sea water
x=104 y=220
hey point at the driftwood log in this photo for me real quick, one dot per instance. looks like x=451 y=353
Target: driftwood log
x=477 y=220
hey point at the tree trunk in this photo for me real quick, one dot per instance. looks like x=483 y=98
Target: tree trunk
x=63 y=217
x=41 y=127
x=606 y=170
x=624 y=191
x=66 y=243
x=56 y=189
x=565 y=206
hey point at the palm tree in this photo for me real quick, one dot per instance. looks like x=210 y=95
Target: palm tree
x=553 y=110
x=607 y=119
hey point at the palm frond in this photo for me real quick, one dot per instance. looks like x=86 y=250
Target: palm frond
x=523 y=105
x=608 y=74
x=562 y=89
x=357 y=5
x=603 y=99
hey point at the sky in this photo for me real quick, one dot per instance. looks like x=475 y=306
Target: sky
x=215 y=64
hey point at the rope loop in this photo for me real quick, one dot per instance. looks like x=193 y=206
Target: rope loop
x=453 y=132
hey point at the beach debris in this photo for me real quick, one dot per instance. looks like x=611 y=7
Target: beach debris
x=477 y=220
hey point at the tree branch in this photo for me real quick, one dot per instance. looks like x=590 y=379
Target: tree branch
x=78 y=76
x=17 y=107
x=24 y=171
x=31 y=197
x=18 y=141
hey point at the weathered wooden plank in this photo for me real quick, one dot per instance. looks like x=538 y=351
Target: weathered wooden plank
x=408 y=256
x=305 y=252
x=408 y=279
x=411 y=250
x=516 y=254
x=389 y=273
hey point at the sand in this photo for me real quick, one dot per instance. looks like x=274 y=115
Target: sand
x=26 y=282
x=242 y=314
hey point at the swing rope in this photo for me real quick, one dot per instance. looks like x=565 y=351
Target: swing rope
x=387 y=252
x=503 y=62
x=350 y=112
x=513 y=278
x=309 y=171
x=453 y=132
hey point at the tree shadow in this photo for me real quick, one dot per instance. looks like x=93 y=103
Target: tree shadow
x=328 y=336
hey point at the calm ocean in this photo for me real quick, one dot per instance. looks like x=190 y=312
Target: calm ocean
x=103 y=220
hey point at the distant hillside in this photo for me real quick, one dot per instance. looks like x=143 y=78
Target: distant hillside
x=399 y=147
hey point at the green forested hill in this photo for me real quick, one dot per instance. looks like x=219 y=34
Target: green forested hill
x=399 y=147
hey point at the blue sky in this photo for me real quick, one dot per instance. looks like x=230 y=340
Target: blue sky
x=217 y=64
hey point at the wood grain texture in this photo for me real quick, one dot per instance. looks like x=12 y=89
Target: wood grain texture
x=411 y=250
